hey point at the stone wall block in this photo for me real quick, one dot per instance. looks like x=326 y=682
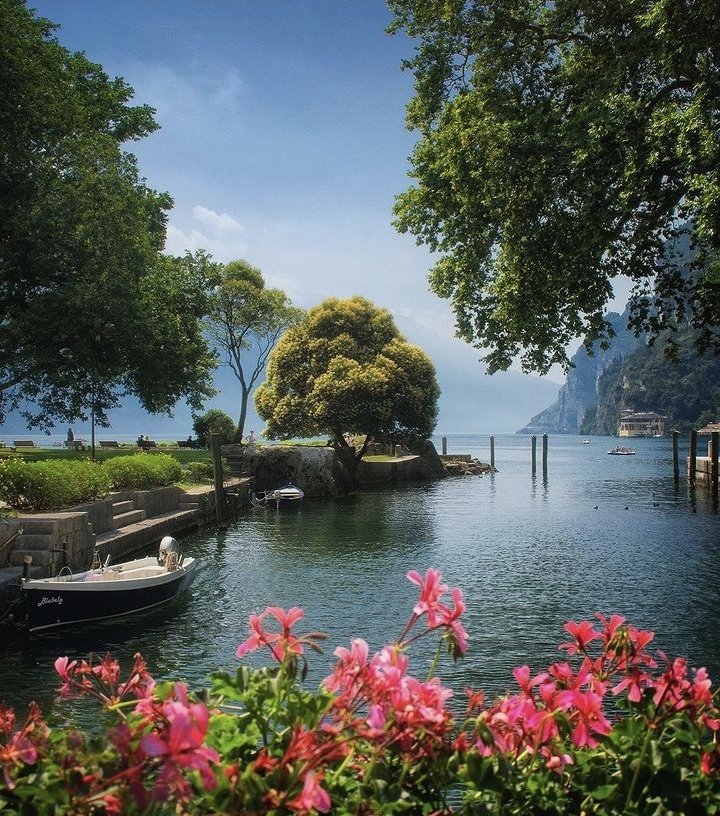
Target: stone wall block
x=100 y=514
x=157 y=501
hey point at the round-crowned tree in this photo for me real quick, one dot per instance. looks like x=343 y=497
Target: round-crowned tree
x=345 y=370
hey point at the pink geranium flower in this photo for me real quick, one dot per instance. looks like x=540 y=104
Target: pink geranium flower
x=312 y=796
x=439 y=614
x=178 y=744
x=431 y=591
x=279 y=643
x=18 y=748
x=581 y=633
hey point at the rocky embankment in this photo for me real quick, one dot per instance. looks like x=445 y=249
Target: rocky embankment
x=472 y=467
x=320 y=472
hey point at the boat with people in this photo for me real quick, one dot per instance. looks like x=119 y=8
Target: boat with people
x=104 y=591
x=621 y=450
x=287 y=496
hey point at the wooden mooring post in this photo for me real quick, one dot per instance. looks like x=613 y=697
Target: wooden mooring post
x=544 y=454
x=692 y=459
x=714 y=437
x=443 y=441
x=676 y=458
x=215 y=441
x=492 y=451
x=533 y=455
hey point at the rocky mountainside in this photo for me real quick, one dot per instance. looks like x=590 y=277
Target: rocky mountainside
x=580 y=392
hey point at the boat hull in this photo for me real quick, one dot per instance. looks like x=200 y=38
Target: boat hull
x=50 y=603
x=285 y=497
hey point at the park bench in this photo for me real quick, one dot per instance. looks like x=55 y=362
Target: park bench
x=110 y=444
x=185 y=443
x=24 y=443
x=148 y=443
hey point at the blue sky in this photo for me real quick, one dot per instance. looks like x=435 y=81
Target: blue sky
x=283 y=142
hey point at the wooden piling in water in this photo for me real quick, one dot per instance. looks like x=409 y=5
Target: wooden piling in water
x=219 y=484
x=492 y=451
x=692 y=459
x=533 y=448
x=676 y=458
x=544 y=454
x=443 y=440
x=714 y=463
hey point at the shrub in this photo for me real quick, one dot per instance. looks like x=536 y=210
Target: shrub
x=374 y=739
x=142 y=471
x=198 y=471
x=214 y=421
x=51 y=484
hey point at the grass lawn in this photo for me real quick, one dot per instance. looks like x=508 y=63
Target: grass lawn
x=183 y=455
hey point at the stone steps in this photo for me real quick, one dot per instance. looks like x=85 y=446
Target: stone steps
x=36 y=545
x=133 y=537
x=129 y=517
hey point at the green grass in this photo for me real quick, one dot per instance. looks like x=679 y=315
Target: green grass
x=183 y=455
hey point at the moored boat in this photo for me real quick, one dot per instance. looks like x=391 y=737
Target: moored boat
x=288 y=495
x=106 y=591
x=621 y=450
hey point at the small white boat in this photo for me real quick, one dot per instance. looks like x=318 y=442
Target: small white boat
x=288 y=495
x=621 y=450
x=106 y=591
x=586 y=441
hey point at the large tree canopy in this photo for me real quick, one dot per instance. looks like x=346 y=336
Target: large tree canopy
x=346 y=369
x=88 y=306
x=562 y=144
x=245 y=321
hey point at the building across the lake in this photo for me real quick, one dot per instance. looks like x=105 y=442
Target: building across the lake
x=646 y=423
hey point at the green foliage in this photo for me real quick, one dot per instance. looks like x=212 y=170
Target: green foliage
x=51 y=485
x=198 y=472
x=214 y=421
x=560 y=145
x=347 y=369
x=143 y=471
x=90 y=307
x=245 y=322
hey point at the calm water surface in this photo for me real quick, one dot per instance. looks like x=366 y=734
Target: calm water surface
x=601 y=533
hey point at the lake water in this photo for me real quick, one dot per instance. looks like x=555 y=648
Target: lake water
x=601 y=533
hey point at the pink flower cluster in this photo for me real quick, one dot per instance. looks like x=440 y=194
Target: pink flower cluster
x=528 y=723
x=283 y=645
x=302 y=767
x=376 y=700
x=378 y=712
x=439 y=614
x=102 y=680
x=168 y=739
x=19 y=748
x=160 y=741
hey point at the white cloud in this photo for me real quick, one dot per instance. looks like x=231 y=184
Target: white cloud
x=223 y=236
x=188 y=98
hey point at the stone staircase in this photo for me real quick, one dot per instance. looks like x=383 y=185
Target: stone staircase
x=50 y=541
x=133 y=528
x=124 y=513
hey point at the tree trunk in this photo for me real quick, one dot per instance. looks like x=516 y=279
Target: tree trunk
x=240 y=430
x=348 y=455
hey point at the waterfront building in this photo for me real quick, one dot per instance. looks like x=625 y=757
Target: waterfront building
x=645 y=423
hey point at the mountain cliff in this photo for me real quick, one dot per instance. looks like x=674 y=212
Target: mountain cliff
x=685 y=390
x=580 y=392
